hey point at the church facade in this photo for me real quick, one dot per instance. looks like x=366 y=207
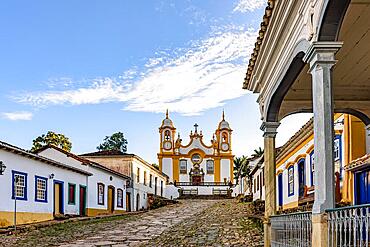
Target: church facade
x=196 y=164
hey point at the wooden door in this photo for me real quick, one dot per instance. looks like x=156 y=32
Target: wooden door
x=128 y=201
x=82 y=200
x=280 y=189
x=58 y=198
x=196 y=180
x=301 y=177
x=110 y=199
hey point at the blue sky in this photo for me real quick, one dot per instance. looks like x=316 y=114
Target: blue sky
x=90 y=68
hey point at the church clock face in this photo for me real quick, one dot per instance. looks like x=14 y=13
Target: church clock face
x=196 y=158
x=225 y=146
x=167 y=145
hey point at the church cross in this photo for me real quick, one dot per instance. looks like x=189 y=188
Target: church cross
x=196 y=127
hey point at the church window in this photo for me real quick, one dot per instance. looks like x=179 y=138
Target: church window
x=167 y=135
x=210 y=167
x=71 y=193
x=41 y=189
x=144 y=177
x=19 y=185
x=100 y=194
x=183 y=166
x=150 y=180
x=138 y=175
x=291 y=181
x=119 y=198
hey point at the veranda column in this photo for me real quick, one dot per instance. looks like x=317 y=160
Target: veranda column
x=321 y=59
x=269 y=135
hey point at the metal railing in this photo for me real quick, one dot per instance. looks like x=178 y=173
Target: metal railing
x=291 y=229
x=203 y=184
x=349 y=226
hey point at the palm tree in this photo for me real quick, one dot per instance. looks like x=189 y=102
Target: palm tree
x=240 y=166
x=258 y=152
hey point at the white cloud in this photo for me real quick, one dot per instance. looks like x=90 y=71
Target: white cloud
x=16 y=116
x=187 y=80
x=249 y=5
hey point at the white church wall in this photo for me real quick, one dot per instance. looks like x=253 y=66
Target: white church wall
x=167 y=168
x=225 y=169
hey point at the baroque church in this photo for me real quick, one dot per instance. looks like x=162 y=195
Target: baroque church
x=196 y=163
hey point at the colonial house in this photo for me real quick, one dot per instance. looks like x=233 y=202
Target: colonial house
x=257 y=176
x=311 y=56
x=106 y=188
x=40 y=185
x=295 y=166
x=145 y=178
x=197 y=168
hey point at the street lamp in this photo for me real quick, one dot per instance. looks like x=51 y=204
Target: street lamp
x=2 y=168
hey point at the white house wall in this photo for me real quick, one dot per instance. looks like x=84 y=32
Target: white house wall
x=36 y=168
x=99 y=176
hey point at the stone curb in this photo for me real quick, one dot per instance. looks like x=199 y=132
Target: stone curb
x=39 y=225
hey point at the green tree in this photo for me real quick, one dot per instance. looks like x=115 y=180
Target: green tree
x=155 y=166
x=116 y=142
x=52 y=138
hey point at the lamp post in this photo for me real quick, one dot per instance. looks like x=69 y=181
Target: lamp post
x=2 y=168
x=15 y=203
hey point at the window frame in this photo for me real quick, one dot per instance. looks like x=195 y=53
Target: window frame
x=103 y=202
x=24 y=198
x=74 y=191
x=183 y=171
x=312 y=167
x=150 y=180
x=119 y=200
x=138 y=175
x=339 y=139
x=45 y=200
x=291 y=191
x=144 y=177
x=213 y=167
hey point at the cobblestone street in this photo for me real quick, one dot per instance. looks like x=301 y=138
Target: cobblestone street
x=189 y=223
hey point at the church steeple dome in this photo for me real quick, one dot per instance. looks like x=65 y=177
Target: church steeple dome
x=167 y=122
x=224 y=124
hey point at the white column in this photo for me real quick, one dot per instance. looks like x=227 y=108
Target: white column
x=367 y=136
x=321 y=58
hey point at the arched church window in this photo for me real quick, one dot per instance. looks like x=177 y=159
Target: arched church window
x=167 y=135
x=210 y=167
x=224 y=137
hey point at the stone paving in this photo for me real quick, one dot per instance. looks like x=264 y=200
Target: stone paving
x=189 y=223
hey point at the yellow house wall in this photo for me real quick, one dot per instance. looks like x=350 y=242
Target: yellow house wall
x=95 y=212
x=7 y=218
x=357 y=138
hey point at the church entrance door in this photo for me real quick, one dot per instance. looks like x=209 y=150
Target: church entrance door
x=196 y=180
